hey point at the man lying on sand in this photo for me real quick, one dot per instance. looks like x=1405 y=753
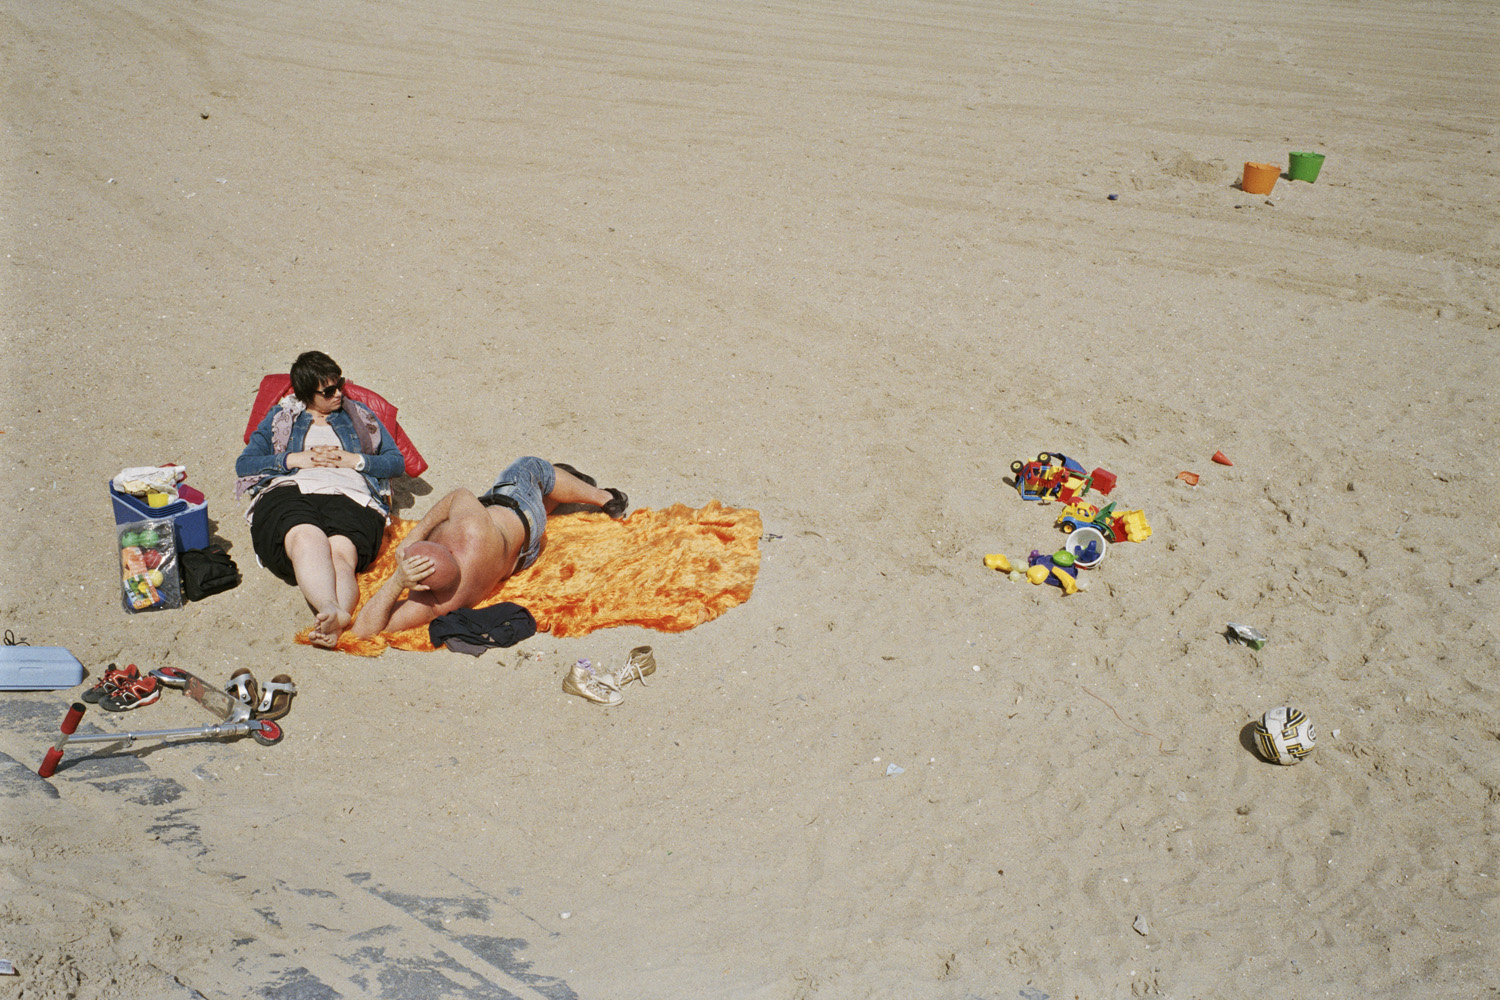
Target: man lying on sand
x=466 y=545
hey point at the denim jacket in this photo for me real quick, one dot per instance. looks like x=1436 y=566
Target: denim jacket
x=259 y=460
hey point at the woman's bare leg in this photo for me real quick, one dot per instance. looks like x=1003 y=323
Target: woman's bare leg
x=312 y=557
x=312 y=561
x=345 y=580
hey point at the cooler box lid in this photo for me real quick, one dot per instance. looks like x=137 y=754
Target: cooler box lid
x=38 y=668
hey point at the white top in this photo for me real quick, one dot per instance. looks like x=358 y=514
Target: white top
x=318 y=479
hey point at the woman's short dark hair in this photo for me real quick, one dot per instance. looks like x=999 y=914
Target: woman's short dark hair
x=309 y=373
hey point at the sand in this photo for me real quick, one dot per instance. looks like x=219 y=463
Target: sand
x=842 y=264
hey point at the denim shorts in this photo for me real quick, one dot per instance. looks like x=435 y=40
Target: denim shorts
x=523 y=487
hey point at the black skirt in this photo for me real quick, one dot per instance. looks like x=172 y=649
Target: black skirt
x=282 y=508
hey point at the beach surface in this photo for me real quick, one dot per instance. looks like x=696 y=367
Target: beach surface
x=841 y=264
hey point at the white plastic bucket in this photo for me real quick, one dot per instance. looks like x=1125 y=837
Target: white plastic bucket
x=1078 y=544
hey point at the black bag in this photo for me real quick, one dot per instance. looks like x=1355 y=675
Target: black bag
x=206 y=572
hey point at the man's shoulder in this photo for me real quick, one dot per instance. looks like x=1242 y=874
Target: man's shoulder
x=462 y=501
x=468 y=516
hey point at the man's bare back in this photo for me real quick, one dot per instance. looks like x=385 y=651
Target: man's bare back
x=486 y=542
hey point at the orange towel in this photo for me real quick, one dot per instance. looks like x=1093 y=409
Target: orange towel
x=663 y=569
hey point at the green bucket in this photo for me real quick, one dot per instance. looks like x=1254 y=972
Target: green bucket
x=1304 y=166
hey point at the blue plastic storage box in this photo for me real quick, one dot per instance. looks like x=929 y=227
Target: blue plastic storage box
x=38 y=668
x=189 y=519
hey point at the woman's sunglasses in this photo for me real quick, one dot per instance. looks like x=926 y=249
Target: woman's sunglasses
x=328 y=392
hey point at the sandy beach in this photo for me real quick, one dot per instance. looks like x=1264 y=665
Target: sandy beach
x=840 y=264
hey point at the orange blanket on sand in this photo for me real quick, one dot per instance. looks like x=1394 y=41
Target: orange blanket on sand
x=663 y=569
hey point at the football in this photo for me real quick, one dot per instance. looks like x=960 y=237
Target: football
x=1285 y=735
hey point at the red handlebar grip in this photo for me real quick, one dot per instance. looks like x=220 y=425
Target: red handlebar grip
x=49 y=762
x=70 y=721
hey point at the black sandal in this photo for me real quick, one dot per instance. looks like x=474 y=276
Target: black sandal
x=616 y=507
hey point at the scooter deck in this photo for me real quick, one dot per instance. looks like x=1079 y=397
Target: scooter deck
x=218 y=701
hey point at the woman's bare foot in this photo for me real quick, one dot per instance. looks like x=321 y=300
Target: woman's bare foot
x=329 y=626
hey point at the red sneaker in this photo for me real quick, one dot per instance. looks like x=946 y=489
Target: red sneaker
x=112 y=679
x=134 y=693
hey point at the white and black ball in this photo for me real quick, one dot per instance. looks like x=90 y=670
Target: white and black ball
x=1285 y=735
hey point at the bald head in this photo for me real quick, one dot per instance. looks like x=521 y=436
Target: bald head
x=445 y=573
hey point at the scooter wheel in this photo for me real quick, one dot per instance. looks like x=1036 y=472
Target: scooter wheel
x=269 y=734
x=174 y=677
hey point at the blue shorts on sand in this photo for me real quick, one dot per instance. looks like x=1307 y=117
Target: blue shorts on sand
x=523 y=487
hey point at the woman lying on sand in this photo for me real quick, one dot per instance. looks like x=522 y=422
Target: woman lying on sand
x=319 y=467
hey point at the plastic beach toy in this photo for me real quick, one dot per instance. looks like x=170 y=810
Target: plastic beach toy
x=1260 y=178
x=1304 y=166
x=1087 y=546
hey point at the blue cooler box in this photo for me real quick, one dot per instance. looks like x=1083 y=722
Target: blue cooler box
x=190 y=520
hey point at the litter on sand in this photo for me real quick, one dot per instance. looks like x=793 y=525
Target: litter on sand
x=1251 y=637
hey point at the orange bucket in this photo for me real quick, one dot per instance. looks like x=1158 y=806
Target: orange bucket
x=1260 y=178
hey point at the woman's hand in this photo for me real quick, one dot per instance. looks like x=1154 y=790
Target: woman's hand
x=323 y=456
x=328 y=456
